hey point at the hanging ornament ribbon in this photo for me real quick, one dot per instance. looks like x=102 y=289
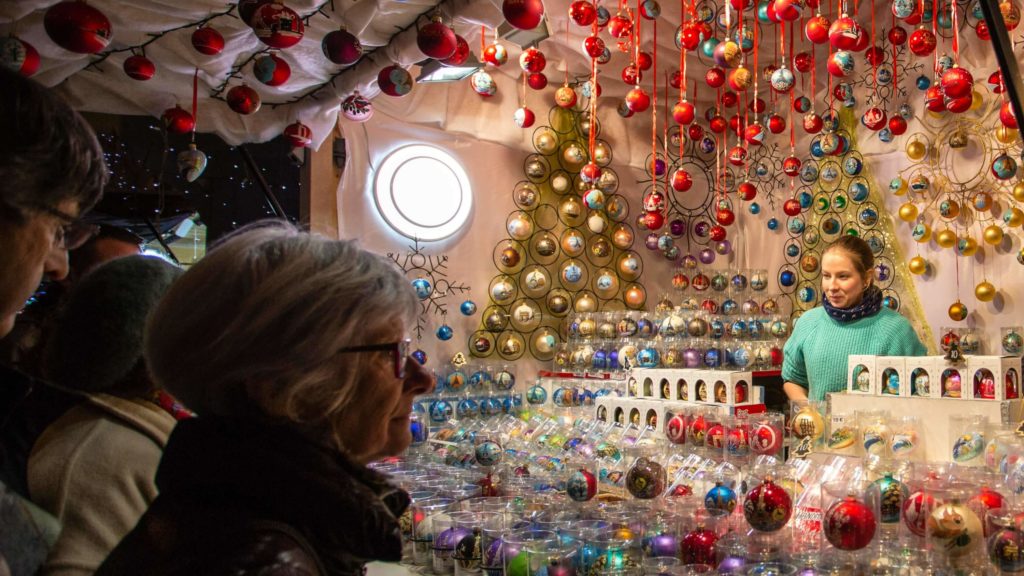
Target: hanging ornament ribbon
x=192 y=162
x=195 y=102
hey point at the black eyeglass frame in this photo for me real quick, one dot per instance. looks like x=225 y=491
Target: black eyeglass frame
x=399 y=351
x=73 y=232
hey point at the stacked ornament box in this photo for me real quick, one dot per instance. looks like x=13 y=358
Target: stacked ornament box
x=991 y=378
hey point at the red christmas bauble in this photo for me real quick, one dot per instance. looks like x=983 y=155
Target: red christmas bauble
x=718 y=124
x=715 y=77
x=675 y=428
x=916 y=511
x=689 y=35
x=982 y=31
x=298 y=134
x=246 y=8
x=77 y=27
x=840 y=64
x=436 y=40
x=590 y=172
x=637 y=100
x=933 y=99
x=957 y=82
x=772 y=12
x=766 y=439
x=725 y=217
x=803 y=62
x=524 y=117
x=845 y=33
x=1006 y=115
x=619 y=26
x=681 y=180
x=729 y=99
x=394 y=80
x=675 y=79
x=738 y=124
x=532 y=60
x=747 y=191
x=789 y=10
x=791 y=166
x=897 y=35
x=767 y=507
x=874 y=118
x=271 y=70
x=776 y=124
x=874 y=55
x=654 y=220
x=342 y=47
x=816 y=29
x=849 y=524
x=243 y=99
x=583 y=12
x=958 y=105
x=717 y=233
x=177 y=120
x=698 y=546
x=208 y=40
x=897 y=125
x=523 y=14
x=775 y=353
x=995 y=80
x=740 y=79
x=630 y=74
x=593 y=46
x=758 y=105
x=813 y=123
x=644 y=61
x=695 y=131
x=139 y=67
x=754 y=134
x=277 y=25
x=922 y=42
x=791 y=207
x=716 y=432
x=461 y=54
x=683 y=112
x=537 y=81
x=18 y=55
x=737 y=155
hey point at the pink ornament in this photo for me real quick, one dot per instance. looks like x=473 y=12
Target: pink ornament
x=342 y=47
x=277 y=25
x=243 y=99
x=139 y=67
x=356 y=108
x=207 y=40
x=77 y=27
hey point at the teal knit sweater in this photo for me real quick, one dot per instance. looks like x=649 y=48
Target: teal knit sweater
x=815 y=356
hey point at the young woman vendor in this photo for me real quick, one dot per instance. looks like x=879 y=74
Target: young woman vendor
x=851 y=320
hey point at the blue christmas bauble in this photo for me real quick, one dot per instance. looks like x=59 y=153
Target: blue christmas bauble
x=419 y=432
x=599 y=360
x=468 y=308
x=466 y=407
x=720 y=497
x=537 y=394
x=422 y=287
x=440 y=411
x=923 y=82
x=647 y=358
x=754 y=208
x=712 y=358
x=885 y=135
x=419 y=356
x=773 y=224
x=445 y=332
x=787 y=278
x=807 y=294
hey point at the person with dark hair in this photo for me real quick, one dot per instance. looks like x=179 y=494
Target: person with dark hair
x=51 y=172
x=851 y=320
x=94 y=467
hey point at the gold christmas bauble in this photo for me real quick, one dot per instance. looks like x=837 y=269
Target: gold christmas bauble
x=510 y=257
x=908 y=212
x=546 y=141
x=1006 y=135
x=976 y=100
x=946 y=238
x=602 y=154
x=571 y=210
x=898 y=186
x=917 y=265
x=546 y=246
x=558 y=302
x=808 y=424
x=622 y=237
x=957 y=311
x=966 y=246
x=1018 y=191
x=916 y=150
x=985 y=291
x=574 y=155
x=635 y=297
x=1013 y=217
x=573 y=243
x=600 y=248
x=921 y=233
x=586 y=303
x=520 y=227
x=993 y=235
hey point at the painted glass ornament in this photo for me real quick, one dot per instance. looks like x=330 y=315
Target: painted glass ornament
x=849 y=524
x=767 y=507
x=191 y=163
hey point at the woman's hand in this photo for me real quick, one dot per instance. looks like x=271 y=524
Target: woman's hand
x=795 y=392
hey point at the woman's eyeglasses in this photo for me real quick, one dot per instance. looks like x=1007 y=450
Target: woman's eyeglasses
x=399 y=352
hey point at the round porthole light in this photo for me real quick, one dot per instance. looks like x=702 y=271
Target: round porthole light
x=422 y=192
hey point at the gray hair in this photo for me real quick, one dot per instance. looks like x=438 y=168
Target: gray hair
x=252 y=330
x=97 y=346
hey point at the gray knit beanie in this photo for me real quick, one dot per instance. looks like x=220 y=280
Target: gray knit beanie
x=97 y=342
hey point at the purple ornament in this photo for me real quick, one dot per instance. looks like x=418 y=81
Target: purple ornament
x=659 y=167
x=447 y=539
x=652 y=241
x=724 y=247
x=689 y=261
x=662 y=545
x=702 y=229
x=677 y=227
x=807 y=572
x=494 y=555
x=706 y=256
x=732 y=565
x=691 y=357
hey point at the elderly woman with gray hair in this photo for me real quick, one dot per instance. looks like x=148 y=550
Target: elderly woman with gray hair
x=292 y=349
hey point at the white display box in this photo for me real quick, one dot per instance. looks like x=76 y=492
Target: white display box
x=922 y=376
x=633 y=385
x=951 y=380
x=652 y=414
x=860 y=375
x=701 y=387
x=891 y=376
x=993 y=377
x=604 y=408
x=732 y=388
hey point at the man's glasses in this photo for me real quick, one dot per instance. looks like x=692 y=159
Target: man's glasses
x=72 y=233
x=399 y=351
